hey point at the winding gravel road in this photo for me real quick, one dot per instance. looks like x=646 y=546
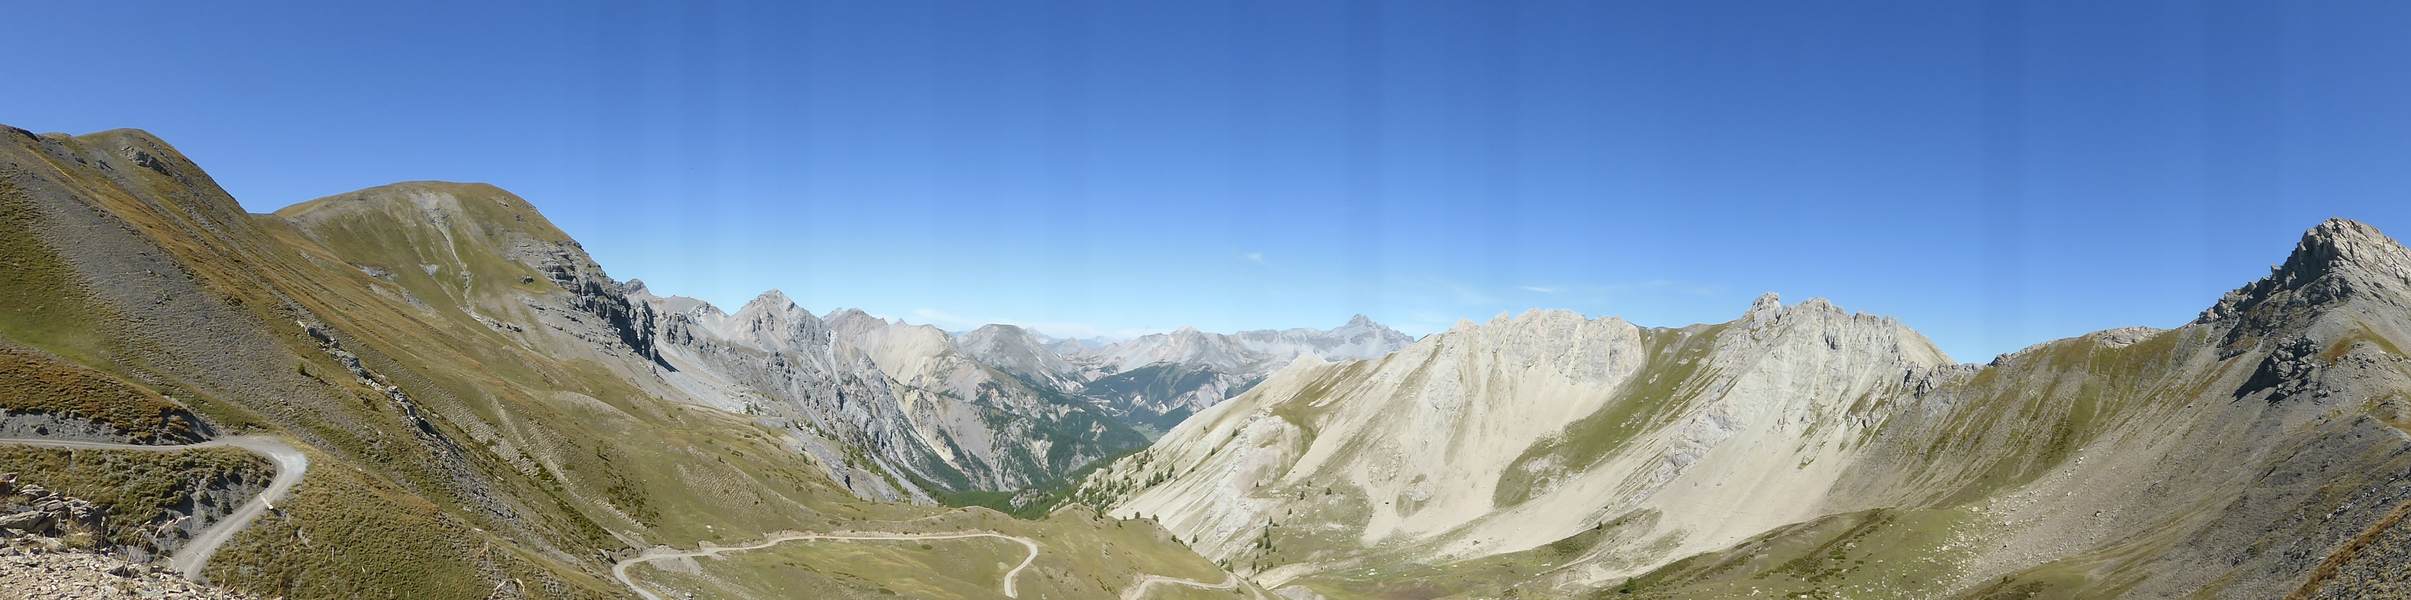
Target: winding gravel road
x=1149 y=582
x=620 y=570
x=290 y=464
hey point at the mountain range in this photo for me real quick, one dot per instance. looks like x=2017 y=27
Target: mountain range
x=483 y=412
x=2259 y=451
x=475 y=408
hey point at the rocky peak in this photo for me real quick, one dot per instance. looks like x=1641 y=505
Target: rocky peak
x=772 y=320
x=1763 y=311
x=2337 y=260
x=1002 y=333
x=770 y=301
x=1016 y=351
x=853 y=319
x=2338 y=243
x=1376 y=338
x=1000 y=342
x=131 y=156
x=1835 y=329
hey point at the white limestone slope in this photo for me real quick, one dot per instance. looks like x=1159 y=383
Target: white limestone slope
x=1426 y=436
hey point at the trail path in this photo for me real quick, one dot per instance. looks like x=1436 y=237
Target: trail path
x=1149 y=582
x=1139 y=590
x=290 y=464
x=664 y=553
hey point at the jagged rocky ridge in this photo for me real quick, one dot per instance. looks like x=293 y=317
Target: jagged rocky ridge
x=995 y=408
x=2255 y=452
x=925 y=417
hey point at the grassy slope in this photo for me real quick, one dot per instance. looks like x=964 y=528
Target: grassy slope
x=42 y=300
x=344 y=534
x=2009 y=426
x=529 y=476
x=42 y=384
x=1880 y=553
x=137 y=489
x=1080 y=556
x=968 y=568
x=255 y=284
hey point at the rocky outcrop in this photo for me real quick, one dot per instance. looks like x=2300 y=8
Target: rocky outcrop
x=777 y=361
x=31 y=510
x=566 y=264
x=421 y=428
x=45 y=568
x=2336 y=260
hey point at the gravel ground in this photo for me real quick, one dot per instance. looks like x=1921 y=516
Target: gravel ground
x=43 y=568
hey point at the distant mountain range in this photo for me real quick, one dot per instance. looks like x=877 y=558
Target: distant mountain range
x=997 y=408
x=1154 y=381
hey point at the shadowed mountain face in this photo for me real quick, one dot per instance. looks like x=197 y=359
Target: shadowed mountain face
x=487 y=413
x=2259 y=451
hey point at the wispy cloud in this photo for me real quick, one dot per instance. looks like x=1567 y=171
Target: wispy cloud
x=1540 y=289
x=1254 y=257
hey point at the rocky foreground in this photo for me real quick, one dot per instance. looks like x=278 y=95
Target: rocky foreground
x=46 y=568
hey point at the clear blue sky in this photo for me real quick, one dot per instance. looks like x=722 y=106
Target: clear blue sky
x=1993 y=174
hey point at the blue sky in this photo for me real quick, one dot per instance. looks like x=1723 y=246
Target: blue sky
x=1993 y=174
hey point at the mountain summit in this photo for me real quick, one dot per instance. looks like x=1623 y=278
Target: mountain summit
x=2338 y=259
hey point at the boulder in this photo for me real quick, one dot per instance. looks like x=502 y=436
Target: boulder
x=32 y=520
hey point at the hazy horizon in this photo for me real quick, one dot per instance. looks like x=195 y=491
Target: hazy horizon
x=1993 y=175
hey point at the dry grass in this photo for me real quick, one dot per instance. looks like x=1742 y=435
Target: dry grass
x=2335 y=561
x=31 y=382
x=346 y=534
x=42 y=302
x=137 y=489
